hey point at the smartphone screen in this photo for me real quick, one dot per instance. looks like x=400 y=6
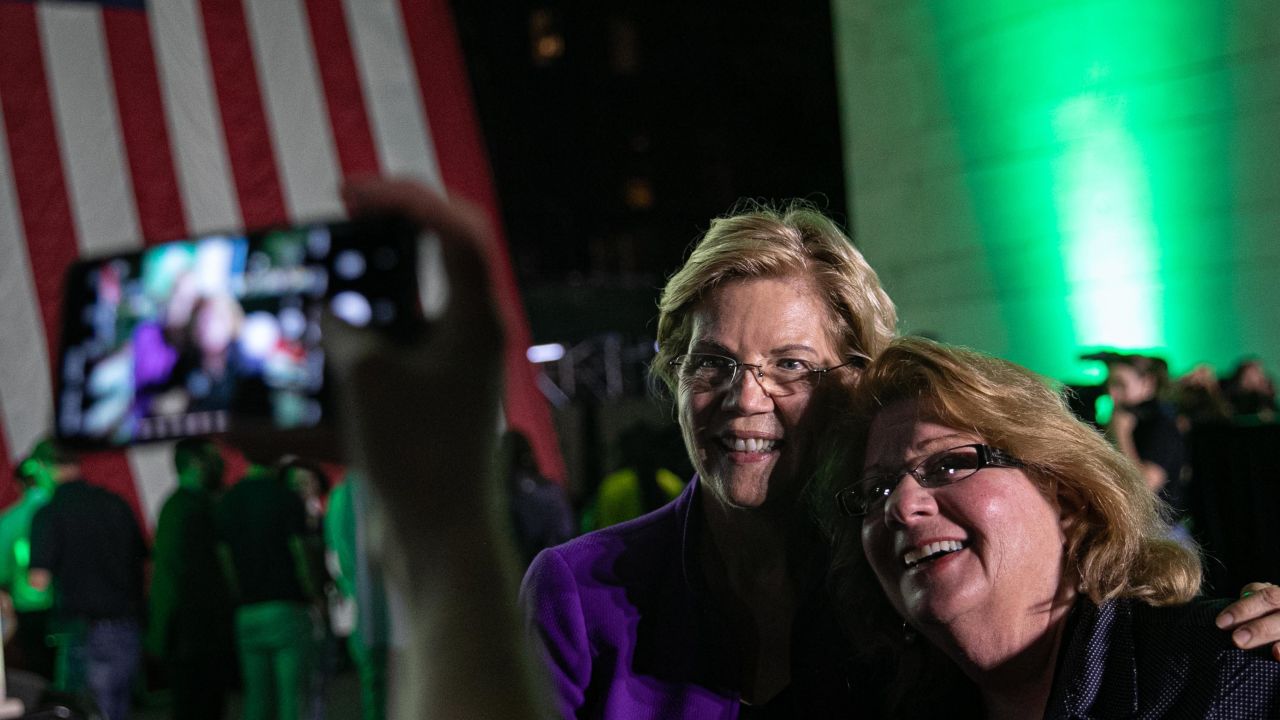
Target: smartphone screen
x=186 y=338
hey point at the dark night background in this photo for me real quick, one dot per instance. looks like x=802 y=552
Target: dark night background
x=616 y=131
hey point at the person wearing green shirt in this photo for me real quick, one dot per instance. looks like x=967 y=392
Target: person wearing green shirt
x=35 y=481
x=368 y=653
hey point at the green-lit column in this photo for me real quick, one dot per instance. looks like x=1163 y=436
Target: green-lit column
x=1040 y=178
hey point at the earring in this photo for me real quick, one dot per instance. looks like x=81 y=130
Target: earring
x=908 y=633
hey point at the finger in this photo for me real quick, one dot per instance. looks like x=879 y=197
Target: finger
x=1254 y=619
x=1254 y=587
x=1258 y=633
x=1254 y=602
x=344 y=345
x=429 y=209
x=1245 y=608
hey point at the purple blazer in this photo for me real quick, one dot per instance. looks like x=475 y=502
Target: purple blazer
x=626 y=631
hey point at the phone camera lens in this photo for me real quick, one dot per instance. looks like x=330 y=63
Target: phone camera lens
x=384 y=312
x=349 y=264
x=292 y=323
x=352 y=307
x=318 y=242
x=385 y=258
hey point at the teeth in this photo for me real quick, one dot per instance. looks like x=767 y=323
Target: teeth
x=912 y=557
x=752 y=444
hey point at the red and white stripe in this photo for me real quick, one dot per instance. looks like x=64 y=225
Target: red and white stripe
x=204 y=115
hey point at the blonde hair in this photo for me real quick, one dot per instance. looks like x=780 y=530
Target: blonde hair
x=767 y=242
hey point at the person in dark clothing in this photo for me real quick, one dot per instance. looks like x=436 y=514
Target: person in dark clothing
x=1250 y=392
x=311 y=484
x=87 y=543
x=540 y=512
x=1144 y=427
x=1200 y=400
x=190 y=622
x=261 y=528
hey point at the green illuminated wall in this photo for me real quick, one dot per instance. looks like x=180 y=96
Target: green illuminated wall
x=1034 y=178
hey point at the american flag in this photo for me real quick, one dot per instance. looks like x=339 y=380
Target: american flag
x=127 y=122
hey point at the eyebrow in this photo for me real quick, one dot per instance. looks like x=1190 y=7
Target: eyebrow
x=792 y=348
x=705 y=345
x=709 y=346
x=922 y=453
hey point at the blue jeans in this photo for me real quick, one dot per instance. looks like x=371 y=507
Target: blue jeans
x=103 y=656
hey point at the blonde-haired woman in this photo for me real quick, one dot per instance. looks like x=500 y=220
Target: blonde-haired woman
x=715 y=602
x=1021 y=545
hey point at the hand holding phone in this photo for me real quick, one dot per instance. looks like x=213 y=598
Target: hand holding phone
x=420 y=418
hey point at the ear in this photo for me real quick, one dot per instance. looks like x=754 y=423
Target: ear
x=1068 y=512
x=1069 y=518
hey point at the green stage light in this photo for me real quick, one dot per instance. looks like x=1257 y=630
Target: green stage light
x=1108 y=237
x=1071 y=167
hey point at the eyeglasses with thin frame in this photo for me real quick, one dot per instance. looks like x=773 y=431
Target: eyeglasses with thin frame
x=708 y=372
x=937 y=470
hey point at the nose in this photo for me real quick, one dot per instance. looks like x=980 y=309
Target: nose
x=747 y=391
x=909 y=501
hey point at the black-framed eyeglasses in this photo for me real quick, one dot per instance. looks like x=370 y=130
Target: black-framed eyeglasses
x=708 y=372
x=941 y=468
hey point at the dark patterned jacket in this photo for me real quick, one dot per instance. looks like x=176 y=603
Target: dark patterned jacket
x=1126 y=659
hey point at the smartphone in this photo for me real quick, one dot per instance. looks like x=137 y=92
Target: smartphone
x=199 y=336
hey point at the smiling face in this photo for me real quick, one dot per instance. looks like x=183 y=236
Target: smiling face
x=750 y=447
x=989 y=548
